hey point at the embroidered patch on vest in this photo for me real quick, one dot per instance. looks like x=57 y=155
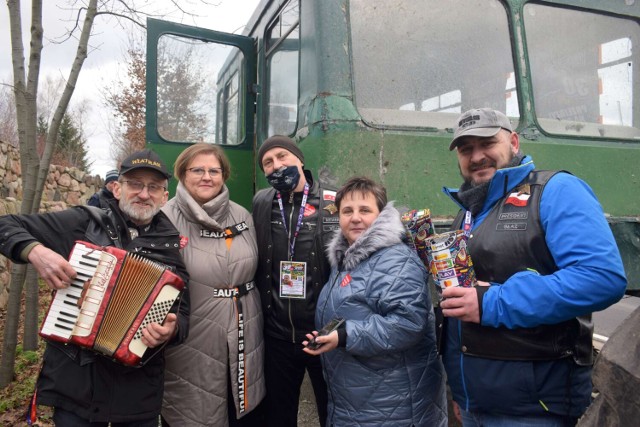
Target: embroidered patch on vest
x=331 y=208
x=329 y=195
x=184 y=240
x=506 y=216
x=330 y=220
x=511 y=226
x=309 y=210
x=520 y=197
x=517 y=199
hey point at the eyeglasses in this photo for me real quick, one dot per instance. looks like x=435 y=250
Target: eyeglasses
x=153 y=189
x=199 y=172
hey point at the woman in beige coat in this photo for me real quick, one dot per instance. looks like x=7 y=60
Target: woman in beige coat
x=215 y=378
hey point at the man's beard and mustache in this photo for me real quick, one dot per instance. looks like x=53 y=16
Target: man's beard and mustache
x=472 y=193
x=486 y=163
x=139 y=214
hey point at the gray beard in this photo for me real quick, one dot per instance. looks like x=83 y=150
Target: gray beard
x=472 y=196
x=138 y=216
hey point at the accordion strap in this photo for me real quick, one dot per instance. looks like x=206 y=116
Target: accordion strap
x=103 y=221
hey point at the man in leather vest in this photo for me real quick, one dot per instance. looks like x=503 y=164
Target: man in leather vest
x=517 y=347
x=87 y=389
x=294 y=220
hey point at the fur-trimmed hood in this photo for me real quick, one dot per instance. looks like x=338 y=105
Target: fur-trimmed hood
x=387 y=230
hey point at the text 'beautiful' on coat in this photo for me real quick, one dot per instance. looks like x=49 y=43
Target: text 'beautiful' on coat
x=198 y=370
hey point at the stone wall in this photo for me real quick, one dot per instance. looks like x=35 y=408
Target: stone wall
x=64 y=187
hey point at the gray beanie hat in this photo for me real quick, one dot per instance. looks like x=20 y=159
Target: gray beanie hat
x=282 y=142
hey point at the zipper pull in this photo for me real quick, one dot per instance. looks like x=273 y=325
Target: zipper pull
x=291 y=198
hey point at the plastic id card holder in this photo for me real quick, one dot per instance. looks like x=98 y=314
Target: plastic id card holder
x=293 y=278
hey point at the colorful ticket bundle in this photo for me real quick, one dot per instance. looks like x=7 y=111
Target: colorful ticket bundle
x=419 y=228
x=449 y=261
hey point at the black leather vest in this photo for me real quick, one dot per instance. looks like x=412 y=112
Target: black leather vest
x=510 y=240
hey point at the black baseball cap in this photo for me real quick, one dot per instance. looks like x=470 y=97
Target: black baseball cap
x=146 y=159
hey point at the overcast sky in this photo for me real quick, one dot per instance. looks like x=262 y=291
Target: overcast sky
x=108 y=44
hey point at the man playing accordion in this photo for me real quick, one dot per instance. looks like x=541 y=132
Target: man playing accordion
x=83 y=387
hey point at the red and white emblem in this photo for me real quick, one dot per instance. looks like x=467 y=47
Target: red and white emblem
x=517 y=199
x=309 y=210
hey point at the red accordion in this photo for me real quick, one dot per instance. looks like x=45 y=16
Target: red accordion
x=114 y=296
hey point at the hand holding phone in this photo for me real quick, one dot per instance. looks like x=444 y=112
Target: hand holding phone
x=326 y=330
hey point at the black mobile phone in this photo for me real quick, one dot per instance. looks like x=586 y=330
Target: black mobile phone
x=326 y=330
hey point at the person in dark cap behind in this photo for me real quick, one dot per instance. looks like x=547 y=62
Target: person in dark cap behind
x=87 y=389
x=517 y=348
x=104 y=196
x=294 y=220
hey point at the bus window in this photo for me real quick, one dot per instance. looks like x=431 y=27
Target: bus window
x=419 y=63
x=283 y=38
x=188 y=101
x=584 y=85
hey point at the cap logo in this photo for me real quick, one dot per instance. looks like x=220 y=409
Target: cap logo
x=468 y=121
x=145 y=161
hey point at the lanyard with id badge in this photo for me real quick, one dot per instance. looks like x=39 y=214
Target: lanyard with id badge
x=293 y=274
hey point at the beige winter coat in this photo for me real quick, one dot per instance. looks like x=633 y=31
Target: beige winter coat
x=197 y=371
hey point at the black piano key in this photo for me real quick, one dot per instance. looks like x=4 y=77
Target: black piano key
x=60 y=319
x=76 y=286
x=93 y=256
x=76 y=297
x=57 y=325
x=86 y=263
x=64 y=313
x=70 y=303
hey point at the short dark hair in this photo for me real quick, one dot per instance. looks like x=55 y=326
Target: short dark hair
x=183 y=160
x=363 y=185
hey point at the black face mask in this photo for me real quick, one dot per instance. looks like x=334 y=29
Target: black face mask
x=285 y=179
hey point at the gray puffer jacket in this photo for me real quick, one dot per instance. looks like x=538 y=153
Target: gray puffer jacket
x=389 y=374
x=197 y=371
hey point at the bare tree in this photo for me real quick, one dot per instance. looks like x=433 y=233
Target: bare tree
x=26 y=75
x=181 y=94
x=127 y=99
x=8 y=123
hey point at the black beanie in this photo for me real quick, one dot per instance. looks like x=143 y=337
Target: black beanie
x=282 y=142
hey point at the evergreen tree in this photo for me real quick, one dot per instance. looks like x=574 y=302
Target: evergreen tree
x=70 y=150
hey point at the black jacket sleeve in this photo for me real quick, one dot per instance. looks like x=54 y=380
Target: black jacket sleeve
x=57 y=231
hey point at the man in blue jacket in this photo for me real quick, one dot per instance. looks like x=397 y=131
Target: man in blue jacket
x=517 y=348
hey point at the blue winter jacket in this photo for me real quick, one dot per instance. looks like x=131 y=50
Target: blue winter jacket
x=590 y=277
x=389 y=374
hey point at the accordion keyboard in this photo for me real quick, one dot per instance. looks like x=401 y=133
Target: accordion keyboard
x=65 y=317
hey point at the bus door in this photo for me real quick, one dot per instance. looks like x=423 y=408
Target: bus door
x=201 y=88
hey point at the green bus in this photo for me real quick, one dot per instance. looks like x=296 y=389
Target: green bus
x=374 y=87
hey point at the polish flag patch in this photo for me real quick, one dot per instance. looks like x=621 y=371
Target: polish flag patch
x=517 y=199
x=329 y=195
x=184 y=240
x=346 y=280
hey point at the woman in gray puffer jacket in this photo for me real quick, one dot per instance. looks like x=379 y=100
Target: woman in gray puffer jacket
x=382 y=368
